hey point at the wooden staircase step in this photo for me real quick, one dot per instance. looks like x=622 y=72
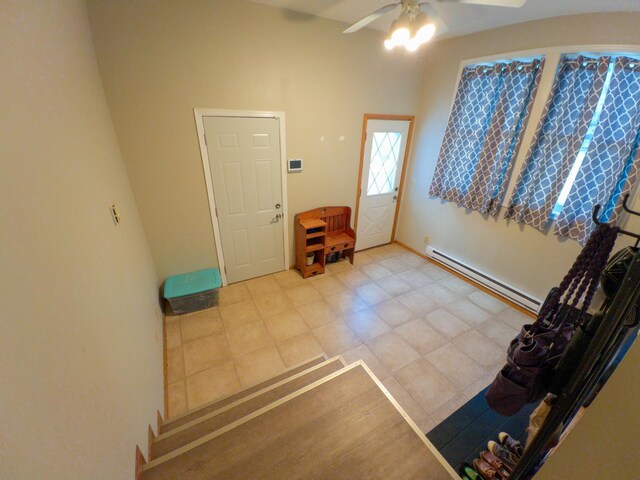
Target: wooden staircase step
x=189 y=432
x=344 y=426
x=217 y=404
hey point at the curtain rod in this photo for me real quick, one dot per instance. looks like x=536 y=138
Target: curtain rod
x=507 y=63
x=487 y=68
x=592 y=58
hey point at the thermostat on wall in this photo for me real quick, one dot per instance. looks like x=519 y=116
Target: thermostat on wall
x=295 y=165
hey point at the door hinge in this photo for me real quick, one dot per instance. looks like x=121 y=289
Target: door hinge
x=205 y=140
x=225 y=270
x=216 y=210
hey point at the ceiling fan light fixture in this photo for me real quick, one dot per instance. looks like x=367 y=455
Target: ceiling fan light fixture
x=412 y=45
x=401 y=29
x=401 y=36
x=426 y=33
x=426 y=29
x=389 y=43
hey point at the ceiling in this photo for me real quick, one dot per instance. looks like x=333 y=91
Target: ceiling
x=462 y=19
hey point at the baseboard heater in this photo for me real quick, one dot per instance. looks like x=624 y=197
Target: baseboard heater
x=515 y=295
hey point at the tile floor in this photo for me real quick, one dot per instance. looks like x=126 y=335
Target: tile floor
x=434 y=340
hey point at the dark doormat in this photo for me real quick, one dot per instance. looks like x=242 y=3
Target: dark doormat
x=465 y=433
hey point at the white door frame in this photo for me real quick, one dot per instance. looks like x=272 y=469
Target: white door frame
x=199 y=114
x=405 y=160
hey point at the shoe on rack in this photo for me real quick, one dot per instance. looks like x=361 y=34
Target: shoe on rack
x=503 y=454
x=496 y=463
x=487 y=472
x=469 y=472
x=511 y=444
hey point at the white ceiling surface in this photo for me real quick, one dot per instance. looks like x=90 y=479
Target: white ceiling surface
x=461 y=19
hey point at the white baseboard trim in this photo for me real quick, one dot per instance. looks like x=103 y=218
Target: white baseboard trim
x=514 y=294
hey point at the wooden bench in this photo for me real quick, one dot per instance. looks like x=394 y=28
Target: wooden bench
x=323 y=231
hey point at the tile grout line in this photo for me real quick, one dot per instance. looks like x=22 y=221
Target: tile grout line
x=273 y=341
x=351 y=289
x=233 y=360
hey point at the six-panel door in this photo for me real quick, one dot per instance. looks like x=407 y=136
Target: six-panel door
x=244 y=157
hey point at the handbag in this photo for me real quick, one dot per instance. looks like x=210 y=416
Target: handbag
x=533 y=354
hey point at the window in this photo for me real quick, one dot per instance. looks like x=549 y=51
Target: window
x=385 y=149
x=585 y=150
x=568 y=184
x=484 y=132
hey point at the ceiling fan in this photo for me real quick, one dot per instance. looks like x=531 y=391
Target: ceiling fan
x=419 y=22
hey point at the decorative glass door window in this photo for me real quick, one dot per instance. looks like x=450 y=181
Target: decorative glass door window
x=383 y=167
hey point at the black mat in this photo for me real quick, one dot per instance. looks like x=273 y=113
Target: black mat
x=465 y=433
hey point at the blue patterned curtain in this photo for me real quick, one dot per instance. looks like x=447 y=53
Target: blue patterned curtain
x=483 y=134
x=558 y=139
x=610 y=166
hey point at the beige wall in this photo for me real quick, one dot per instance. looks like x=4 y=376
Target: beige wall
x=80 y=332
x=516 y=254
x=604 y=443
x=160 y=59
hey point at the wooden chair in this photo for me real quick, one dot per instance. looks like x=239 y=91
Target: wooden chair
x=323 y=231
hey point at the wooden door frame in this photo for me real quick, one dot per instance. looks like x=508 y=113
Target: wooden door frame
x=378 y=116
x=200 y=114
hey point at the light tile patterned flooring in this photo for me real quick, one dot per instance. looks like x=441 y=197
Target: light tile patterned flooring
x=434 y=340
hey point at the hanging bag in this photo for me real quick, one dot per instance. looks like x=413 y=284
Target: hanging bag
x=533 y=354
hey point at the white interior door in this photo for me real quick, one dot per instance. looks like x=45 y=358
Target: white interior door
x=244 y=157
x=381 y=171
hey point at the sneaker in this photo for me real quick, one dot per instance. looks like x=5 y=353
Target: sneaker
x=503 y=454
x=487 y=472
x=469 y=472
x=496 y=463
x=513 y=445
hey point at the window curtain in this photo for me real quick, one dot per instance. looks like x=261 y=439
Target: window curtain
x=484 y=132
x=558 y=139
x=610 y=167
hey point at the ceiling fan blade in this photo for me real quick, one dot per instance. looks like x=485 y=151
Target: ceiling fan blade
x=441 y=26
x=371 y=17
x=491 y=3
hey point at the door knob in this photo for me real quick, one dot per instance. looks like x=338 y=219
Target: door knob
x=277 y=205
x=395 y=198
x=277 y=218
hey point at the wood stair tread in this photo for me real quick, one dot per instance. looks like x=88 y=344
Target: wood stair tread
x=217 y=404
x=343 y=426
x=217 y=419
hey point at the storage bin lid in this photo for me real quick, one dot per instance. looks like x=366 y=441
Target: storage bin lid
x=190 y=283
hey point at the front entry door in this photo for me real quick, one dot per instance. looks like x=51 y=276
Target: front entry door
x=244 y=157
x=381 y=171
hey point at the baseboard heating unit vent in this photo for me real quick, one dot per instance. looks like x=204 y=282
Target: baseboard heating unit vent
x=516 y=296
